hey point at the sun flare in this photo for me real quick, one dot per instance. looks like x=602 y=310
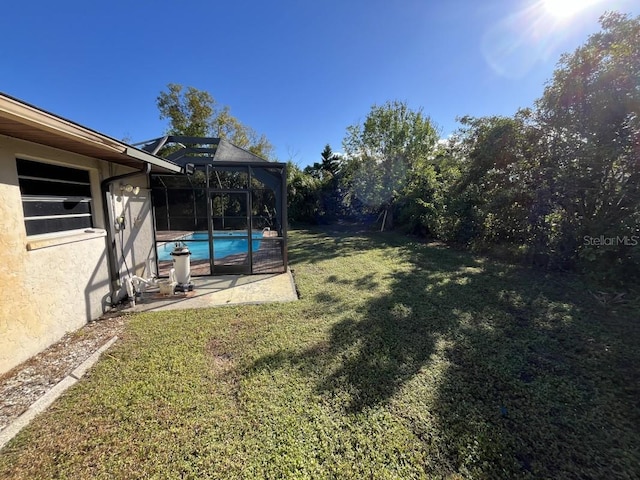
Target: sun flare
x=562 y=9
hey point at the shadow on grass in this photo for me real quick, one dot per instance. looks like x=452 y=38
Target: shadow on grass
x=318 y=245
x=519 y=372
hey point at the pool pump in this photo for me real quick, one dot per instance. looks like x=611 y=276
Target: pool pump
x=182 y=266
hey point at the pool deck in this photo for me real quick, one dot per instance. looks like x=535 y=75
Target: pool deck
x=267 y=259
x=222 y=290
x=177 y=235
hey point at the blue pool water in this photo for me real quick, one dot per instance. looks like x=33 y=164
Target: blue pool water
x=224 y=244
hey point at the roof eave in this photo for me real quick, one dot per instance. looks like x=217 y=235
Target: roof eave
x=152 y=159
x=21 y=120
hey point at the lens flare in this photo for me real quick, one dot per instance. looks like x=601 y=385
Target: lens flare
x=563 y=9
x=516 y=43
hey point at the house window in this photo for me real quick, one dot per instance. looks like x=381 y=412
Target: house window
x=54 y=198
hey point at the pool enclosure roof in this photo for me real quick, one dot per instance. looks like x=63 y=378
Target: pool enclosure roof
x=184 y=149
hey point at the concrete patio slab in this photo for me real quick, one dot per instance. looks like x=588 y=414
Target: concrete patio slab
x=222 y=290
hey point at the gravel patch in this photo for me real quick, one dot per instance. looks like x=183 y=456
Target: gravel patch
x=23 y=385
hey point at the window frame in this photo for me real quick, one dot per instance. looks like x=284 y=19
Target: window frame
x=49 y=198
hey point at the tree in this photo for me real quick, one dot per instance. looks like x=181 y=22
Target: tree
x=326 y=172
x=328 y=166
x=388 y=144
x=429 y=206
x=590 y=115
x=303 y=195
x=190 y=113
x=330 y=161
x=195 y=113
x=499 y=178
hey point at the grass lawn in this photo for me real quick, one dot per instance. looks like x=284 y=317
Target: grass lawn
x=401 y=360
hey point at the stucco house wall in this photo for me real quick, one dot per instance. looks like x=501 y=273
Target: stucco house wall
x=135 y=243
x=53 y=284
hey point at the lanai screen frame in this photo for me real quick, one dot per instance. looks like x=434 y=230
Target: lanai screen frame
x=271 y=175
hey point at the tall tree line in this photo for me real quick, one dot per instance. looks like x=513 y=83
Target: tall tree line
x=556 y=185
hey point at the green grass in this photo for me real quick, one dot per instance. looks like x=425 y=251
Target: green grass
x=401 y=360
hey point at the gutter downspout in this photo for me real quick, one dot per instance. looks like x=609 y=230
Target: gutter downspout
x=114 y=273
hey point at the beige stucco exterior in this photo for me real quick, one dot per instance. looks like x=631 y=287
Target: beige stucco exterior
x=54 y=284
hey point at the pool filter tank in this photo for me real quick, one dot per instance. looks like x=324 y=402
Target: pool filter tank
x=182 y=266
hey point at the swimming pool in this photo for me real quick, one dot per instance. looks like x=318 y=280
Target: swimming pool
x=224 y=244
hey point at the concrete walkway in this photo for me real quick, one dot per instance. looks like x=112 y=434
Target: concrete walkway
x=222 y=290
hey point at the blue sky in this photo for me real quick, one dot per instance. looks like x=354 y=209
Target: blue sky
x=298 y=71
